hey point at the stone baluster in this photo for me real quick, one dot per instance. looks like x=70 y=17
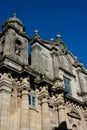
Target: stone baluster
x=24 y=115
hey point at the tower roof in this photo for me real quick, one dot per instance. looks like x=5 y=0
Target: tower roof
x=13 y=19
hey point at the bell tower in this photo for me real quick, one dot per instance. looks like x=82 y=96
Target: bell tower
x=14 y=41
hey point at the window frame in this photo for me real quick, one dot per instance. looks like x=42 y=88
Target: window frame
x=32 y=100
x=67 y=85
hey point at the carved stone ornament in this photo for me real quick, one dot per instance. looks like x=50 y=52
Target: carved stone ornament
x=52 y=101
x=58 y=84
x=85 y=116
x=74 y=114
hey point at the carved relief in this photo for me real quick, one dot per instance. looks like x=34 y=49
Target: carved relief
x=74 y=114
x=58 y=84
x=52 y=101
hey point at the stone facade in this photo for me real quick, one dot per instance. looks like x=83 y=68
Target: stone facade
x=44 y=91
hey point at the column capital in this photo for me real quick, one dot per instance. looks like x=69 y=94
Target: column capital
x=24 y=86
x=43 y=94
x=6 y=82
x=59 y=100
x=25 y=83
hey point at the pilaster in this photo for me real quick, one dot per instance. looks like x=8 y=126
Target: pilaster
x=55 y=64
x=24 y=115
x=45 y=108
x=36 y=56
x=9 y=39
x=5 y=97
x=61 y=109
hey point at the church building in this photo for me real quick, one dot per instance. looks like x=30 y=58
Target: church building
x=46 y=90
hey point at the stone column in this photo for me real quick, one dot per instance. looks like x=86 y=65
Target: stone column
x=24 y=115
x=61 y=111
x=5 y=96
x=45 y=109
x=36 y=57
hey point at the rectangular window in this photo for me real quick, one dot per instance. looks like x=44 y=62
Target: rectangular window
x=67 y=85
x=32 y=100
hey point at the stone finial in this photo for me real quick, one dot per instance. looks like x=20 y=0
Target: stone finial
x=81 y=64
x=14 y=15
x=76 y=57
x=36 y=32
x=52 y=40
x=58 y=37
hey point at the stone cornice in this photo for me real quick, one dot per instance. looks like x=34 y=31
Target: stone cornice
x=75 y=101
x=68 y=72
x=23 y=70
x=68 y=98
x=43 y=80
x=47 y=44
x=59 y=89
x=82 y=70
x=40 y=42
x=9 y=26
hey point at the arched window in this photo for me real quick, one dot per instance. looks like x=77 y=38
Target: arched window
x=74 y=127
x=18 y=47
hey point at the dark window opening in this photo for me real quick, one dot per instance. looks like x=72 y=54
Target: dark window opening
x=67 y=85
x=18 y=47
x=32 y=100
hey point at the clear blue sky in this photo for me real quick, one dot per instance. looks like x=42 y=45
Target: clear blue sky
x=50 y=17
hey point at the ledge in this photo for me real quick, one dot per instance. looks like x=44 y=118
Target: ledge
x=75 y=100
x=71 y=74
x=18 y=31
x=44 y=80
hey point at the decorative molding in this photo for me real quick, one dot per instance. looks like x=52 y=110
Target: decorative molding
x=85 y=116
x=74 y=114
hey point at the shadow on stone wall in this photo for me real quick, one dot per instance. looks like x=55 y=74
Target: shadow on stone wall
x=62 y=126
